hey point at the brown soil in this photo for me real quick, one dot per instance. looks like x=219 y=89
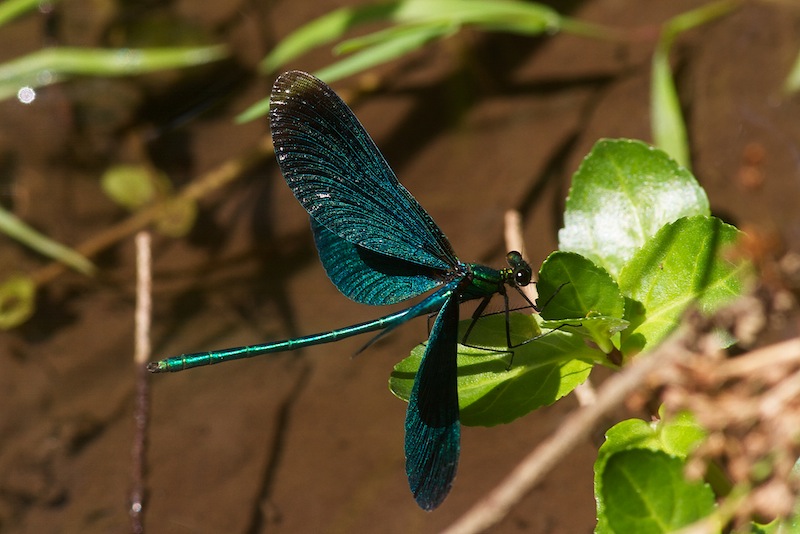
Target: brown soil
x=312 y=441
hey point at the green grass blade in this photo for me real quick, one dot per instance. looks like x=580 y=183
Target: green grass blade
x=11 y=9
x=259 y=109
x=399 y=44
x=668 y=125
x=16 y=229
x=322 y=30
x=669 y=128
x=53 y=64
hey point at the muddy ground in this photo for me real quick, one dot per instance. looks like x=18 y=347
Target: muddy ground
x=312 y=441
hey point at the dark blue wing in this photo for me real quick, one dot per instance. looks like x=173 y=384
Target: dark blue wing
x=433 y=431
x=367 y=276
x=342 y=180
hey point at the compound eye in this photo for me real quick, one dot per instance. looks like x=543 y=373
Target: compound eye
x=522 y=271
x=522 y=277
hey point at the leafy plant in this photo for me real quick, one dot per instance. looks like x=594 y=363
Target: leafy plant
x=412 y=24
x=639 y=481
x=638 y=249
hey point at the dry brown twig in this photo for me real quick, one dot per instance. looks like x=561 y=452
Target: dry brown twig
x=141 y=356
x=750 y=406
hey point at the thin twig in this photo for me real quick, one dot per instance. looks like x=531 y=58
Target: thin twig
x=778 y=354
x=515 y=241
x=140 y=357
x=575 y=429
x=144 y=303
x=776 y=400
x=585 y=392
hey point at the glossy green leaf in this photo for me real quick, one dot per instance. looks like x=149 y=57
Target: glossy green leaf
x=15 y=228
x=622 y=194
x=490 y=392
x=688 y=262
x=17 y=300
x=644 y=491
x=576 y=292
x=602 y=330
x=675 y=438
x=572 y=286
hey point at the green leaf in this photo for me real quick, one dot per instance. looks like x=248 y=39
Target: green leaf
x=134 y=186
x=602 y=330
x=644 y=491
x=489 y=391
x=389 y=46
x=14 y=227
x=390 y=35
x=623 y=192
x=11 y=9
x=571 y=286
x=61 y=62
x=676 y=438
x=128 y=185
x=520 y=17
x=322 y=30
x=666 y=116
x=17 y=300
x=574 y=291
x=416 y=22
x=505 y=15
x=259 y=109
x=687 y=262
